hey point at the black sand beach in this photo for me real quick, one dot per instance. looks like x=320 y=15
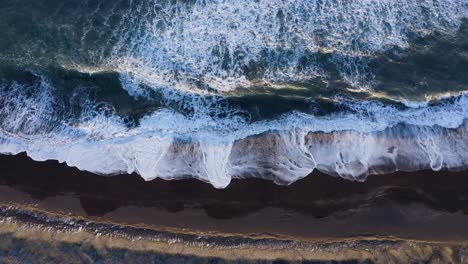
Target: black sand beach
x=423 y=207
x=216 y=110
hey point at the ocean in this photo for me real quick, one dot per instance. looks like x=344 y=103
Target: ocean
x=220 y=89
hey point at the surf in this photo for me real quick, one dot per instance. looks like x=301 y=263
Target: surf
x=217 y=90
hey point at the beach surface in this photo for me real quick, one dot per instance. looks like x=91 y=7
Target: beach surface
x=398 y=217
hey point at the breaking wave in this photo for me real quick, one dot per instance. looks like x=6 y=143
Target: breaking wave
x=230 y=89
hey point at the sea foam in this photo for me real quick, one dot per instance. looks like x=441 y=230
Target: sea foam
x=224 y=45
x=186 y=58
x=370 y=137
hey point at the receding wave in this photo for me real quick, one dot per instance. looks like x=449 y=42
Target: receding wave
x=229 y=89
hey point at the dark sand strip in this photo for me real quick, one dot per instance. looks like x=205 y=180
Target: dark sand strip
x=429 y=207
x=411 y=205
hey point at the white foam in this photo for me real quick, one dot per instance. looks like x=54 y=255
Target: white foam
x=216 y=149
x=181 y=44
x=185 y=44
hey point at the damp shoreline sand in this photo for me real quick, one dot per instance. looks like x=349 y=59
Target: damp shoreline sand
x=252 y=219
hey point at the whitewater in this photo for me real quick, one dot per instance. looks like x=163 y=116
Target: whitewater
x=217 y=90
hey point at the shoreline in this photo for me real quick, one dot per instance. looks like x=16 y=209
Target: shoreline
x=319 y=213
x=106 y=238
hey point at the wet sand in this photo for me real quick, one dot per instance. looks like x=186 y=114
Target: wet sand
x=317 y=214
